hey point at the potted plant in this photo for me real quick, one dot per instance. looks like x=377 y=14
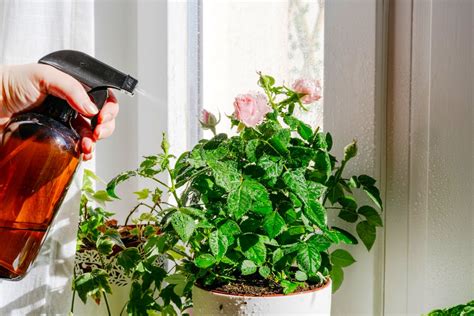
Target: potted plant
x=105 y=248
x=458 y=310
x=246 y=225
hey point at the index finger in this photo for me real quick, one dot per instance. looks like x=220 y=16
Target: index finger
x=61 y=85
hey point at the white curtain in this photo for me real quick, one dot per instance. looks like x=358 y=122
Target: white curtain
x=29 y=30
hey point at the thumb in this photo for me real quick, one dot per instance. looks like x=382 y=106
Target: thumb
x=57 y=83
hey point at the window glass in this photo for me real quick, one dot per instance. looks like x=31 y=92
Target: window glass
x=280 y=38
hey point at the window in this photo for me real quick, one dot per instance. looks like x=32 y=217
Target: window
x=280 y=38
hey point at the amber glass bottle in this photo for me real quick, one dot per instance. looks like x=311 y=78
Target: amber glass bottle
x=38 y=157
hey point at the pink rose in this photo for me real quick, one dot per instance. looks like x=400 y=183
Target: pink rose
x=310 y=88
x=209 y=120
x=251 y=108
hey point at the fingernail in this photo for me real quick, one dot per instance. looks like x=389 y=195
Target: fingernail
x=91 y=108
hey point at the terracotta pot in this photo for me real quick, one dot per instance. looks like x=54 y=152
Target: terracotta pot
x=313 y=302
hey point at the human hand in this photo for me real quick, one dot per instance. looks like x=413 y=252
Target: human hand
x=24 y=87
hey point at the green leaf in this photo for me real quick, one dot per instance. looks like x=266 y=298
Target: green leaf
x=288 y=286
x=272 y=167
x=348 y=216
x=291 y=121
x=280 y=141
x=366 y=233
x=261 y=203
x=253 y=248
x=328 y=141
x=204 y=261
x=250 y=150
x=251 y=195
x=273 y=224
x=335 y=193
x=338 y=235
x=92 y=284
x=248 y=267
x=218 y=244
x=143 y=194
x=353 y=182
x=366 y=180
x=118 y=179
x=239 y=201
x=308 y=258
x=193 y=212
x=337 y=276
x=101 y=196
x=229 y=229
x=374 y=195
x=319 y=141
x=320 y=242
x=316 y=213
x=348 y=202
x=180 y=281
x=183 y=224
x=115 y=237
x=305 y=131
x=226 y=174
x=301 y=276
x=342 y=258
x=296 y=182
x=277 y=255
x=250 y=225
x=301 y=156
x=175 y=278
x=265 y=81
x=264 y=271
x=104 y=245
x=322 y=164
x=371 y=215
x=128 y=258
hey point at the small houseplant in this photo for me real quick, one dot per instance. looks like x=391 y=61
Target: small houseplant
x=105 y=248
x=247 y=215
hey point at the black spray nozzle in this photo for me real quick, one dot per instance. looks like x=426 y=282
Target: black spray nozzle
x=90 y=71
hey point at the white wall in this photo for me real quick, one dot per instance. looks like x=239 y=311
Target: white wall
x=132 y=36
x=430 y=221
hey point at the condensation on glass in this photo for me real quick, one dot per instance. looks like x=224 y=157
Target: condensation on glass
x=284 y=39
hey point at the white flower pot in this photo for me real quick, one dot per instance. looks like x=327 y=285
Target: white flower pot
x=315 y=302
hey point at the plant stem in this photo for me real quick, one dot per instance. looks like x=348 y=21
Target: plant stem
x=131 y=212
x=172 y=189
x=161 y=182
x=179 y=252
x=123 y=308
x=102 y=262
x=73 y=292
x=86 y=215
x=107 y=304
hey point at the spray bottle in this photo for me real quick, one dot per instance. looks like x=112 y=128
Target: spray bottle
x=39 y=154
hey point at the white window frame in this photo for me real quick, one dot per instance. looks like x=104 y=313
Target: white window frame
x=354 y=107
